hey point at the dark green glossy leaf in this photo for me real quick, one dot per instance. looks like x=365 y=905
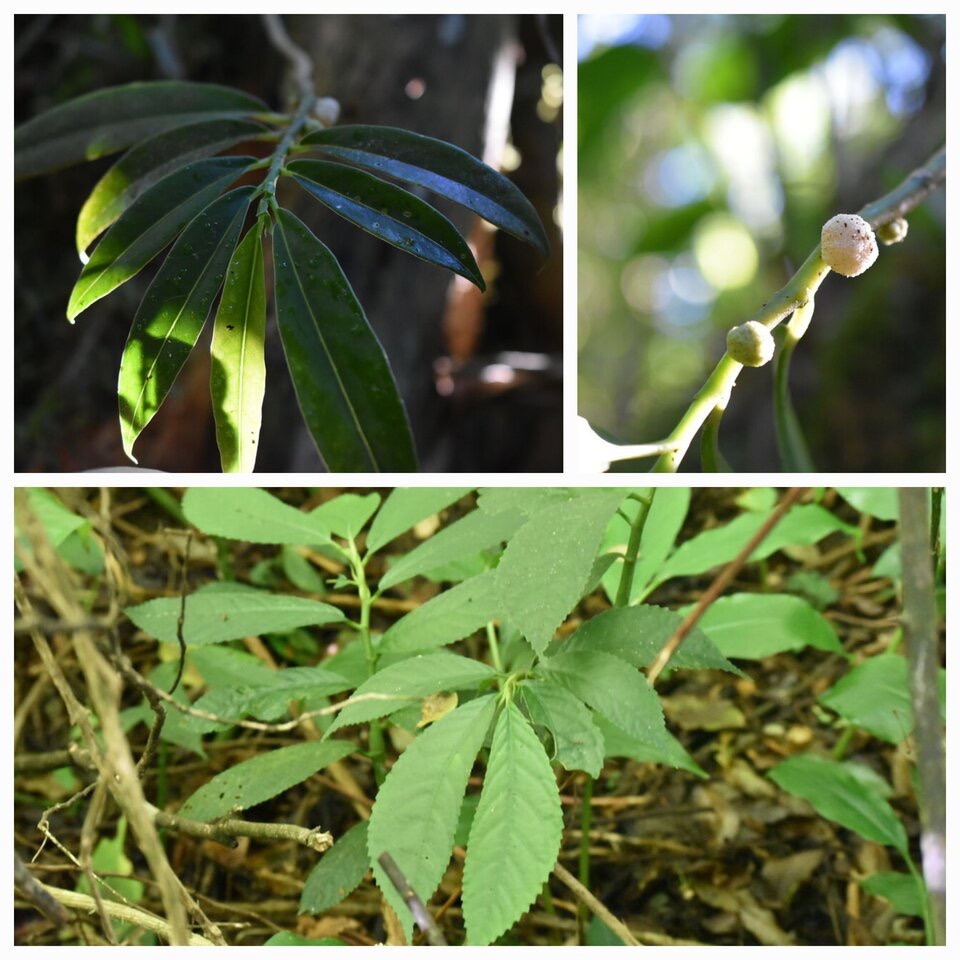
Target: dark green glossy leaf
x=388 y=212
x=108 y=120
x=149 y=162
x=238 y=372
x=149 y=225
x=343 y=381
x=440 y=167
x=174 y=309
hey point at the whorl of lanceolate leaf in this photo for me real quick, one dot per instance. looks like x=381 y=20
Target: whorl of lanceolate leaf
x=441 y=167
x=149 y=162
x=388 y=212
x=174 y=310
x=108 y=120
x=343 y=380
x=149 y=225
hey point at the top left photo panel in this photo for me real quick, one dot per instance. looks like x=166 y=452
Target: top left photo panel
x=288 y=244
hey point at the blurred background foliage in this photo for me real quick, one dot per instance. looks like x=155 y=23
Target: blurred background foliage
x=711 y=151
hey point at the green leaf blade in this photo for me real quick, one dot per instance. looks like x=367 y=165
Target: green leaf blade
x=547 y=564
x=108 y=120
x=407 y=506
x=448 y=617
x=388 y=213
x=343 y=381
x=238 y=370
x=441 y=167
x=516 y=833
x=261 y=778
x=415 y=815
x=149 y=225
x=220 y=612
x=339 y=873
x=578 y=743
x=839 y=795
x=173 y=311
x=401 y=683
x=253 y=515
x=149 y=162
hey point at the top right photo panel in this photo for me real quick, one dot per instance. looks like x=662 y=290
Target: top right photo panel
x=762 y=230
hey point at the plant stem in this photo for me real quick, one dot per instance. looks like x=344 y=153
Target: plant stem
x=375 y=730
x=267 y=190
x=494 y=645
x=633 y=550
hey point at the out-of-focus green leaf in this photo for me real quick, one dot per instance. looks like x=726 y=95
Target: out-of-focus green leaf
x=904 y=891
x=149 y=225
x=388 y=212
x=149 y=162
x=343 y=381
x=174 y=310
x=108 y=120
x=441 y=167
x=238 y=371
x=879 y=502
x=840 y=795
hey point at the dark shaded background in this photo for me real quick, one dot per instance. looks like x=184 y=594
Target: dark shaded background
x=431 y=74
x=868 y=380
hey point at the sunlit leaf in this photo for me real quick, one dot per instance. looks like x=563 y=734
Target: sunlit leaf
x=174 y=310
x=149 y=162
x=441 y=167
x=108 y=120
x=343 y=381
x=388 y=212
x=149 y=225
x=238 y=371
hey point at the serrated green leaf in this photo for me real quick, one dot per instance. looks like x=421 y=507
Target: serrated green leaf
x=415 y=814
x=261 y=778
x=268 y=697
x=667 y=750
x=516 y=833
x=800 y=526
x=875 y=695
x=405 y=507
x=400 y=683
x=755 y=625
x=526 y=500
x=841 y=796
x=448 y=617
x=253 y=515
x=637 y=634
x=149 y=162
x=345 y=515
x=460 y=540
x=578 y=743
x=149 y=225
x=389 y=213
x=547 y=564
x=343 y=381
x=441 y=167
x=219 y=612
x=664 y=521
x=238 y=371
x=173 y=311
x=612 y=687
x=339 y=873
x=108 y=120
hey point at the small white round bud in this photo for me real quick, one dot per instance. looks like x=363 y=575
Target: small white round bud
x=847 y=244
x=893 y=232
x=327 y=110
x=751 y=344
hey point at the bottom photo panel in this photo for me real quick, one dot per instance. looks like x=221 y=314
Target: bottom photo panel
x=535 y=716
